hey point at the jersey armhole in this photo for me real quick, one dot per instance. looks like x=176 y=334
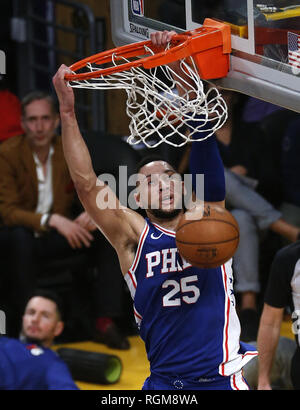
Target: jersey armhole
x=139 y=248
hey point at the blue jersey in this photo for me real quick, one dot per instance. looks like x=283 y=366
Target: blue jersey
x=25 y=366
x=186 y=315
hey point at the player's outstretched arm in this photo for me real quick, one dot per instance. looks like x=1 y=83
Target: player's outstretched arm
x=120 y=225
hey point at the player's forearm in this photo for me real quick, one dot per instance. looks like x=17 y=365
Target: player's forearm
x=184 y=82
x=76 y=153
x=205 y=159
x=267 y=342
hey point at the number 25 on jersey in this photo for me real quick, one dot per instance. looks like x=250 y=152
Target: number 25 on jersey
x=184 y=290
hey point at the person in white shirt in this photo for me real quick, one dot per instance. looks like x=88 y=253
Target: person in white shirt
x=36 y=200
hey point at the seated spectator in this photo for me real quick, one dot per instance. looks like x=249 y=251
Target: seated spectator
x=240 y=150
x=10 y=108
x=290 y=166
x=36 y=197
x=250 y=143
x=273 y=122
x=29 y=363
x=254 y=215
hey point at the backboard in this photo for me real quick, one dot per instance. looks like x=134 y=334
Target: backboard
x=265 y=39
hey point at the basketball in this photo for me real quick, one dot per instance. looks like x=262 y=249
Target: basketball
x=207 y=238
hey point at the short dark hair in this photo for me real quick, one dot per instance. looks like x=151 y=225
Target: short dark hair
x=38 y=95
x=151 y=158
x=50 y=295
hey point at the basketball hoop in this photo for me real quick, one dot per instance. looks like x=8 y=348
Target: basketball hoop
x=157 y=112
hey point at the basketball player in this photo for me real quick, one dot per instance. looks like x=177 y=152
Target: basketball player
x=186 y=315
x=29 y=363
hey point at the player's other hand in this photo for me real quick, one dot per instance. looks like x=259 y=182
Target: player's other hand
x=64 y=93
x=161 y=38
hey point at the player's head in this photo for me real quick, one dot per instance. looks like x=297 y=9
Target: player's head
x=42 y=319
x=160 y=188
x=40 y=118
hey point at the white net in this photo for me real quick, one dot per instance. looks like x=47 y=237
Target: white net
x=158 y=112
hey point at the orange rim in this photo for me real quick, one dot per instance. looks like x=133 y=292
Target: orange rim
x=182 y=46
x=127 y=51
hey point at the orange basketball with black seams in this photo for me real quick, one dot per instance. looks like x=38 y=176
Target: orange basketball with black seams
x=207 y=238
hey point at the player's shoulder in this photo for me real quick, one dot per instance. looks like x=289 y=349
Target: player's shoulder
x=12 y=346
x=4 y=341
x=54 y=361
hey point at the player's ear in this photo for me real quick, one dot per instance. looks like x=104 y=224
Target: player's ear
x=58 y=328
x=137 y=197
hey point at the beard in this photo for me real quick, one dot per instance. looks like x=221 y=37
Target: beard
x=168 y=214
x=165 y=215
